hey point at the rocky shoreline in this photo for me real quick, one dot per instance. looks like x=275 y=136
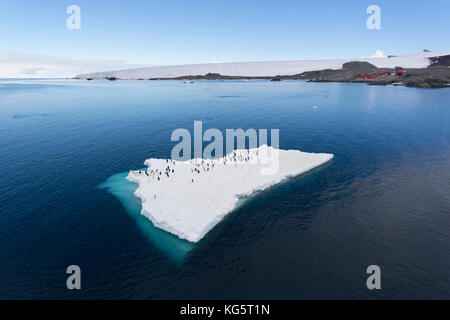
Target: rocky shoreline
x=437 y=75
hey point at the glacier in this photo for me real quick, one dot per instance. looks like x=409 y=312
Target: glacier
x=263 y=68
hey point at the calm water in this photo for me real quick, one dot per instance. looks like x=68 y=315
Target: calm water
x=384 y=200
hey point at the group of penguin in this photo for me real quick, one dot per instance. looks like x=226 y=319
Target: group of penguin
x=200 y=165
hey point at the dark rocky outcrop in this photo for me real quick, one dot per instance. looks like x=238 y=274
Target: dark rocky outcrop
x=440 y=61
x=437 y=75
x=431 y=77
x=359 y=65
x=210 y=76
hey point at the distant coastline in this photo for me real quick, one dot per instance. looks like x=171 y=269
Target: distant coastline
x=423 y=70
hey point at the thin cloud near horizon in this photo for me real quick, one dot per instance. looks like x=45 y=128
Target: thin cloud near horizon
x=33 y=65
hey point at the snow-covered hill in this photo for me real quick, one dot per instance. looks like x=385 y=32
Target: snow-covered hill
x=260 y=69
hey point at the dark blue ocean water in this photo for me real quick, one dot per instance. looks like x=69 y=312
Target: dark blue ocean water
x=384 y=200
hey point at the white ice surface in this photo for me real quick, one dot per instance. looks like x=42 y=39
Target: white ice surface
x=190 y=209
x=269 y=68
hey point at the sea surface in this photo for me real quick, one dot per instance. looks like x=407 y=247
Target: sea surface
x=66 y=146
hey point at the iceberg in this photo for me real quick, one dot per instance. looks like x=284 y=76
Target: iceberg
x=188 y=198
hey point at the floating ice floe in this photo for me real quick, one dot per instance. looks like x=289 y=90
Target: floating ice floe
x=188 y=198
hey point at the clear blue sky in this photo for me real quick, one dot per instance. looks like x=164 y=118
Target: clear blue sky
x=179 y=32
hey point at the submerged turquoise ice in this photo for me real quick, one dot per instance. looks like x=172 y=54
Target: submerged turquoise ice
x=175 y=248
